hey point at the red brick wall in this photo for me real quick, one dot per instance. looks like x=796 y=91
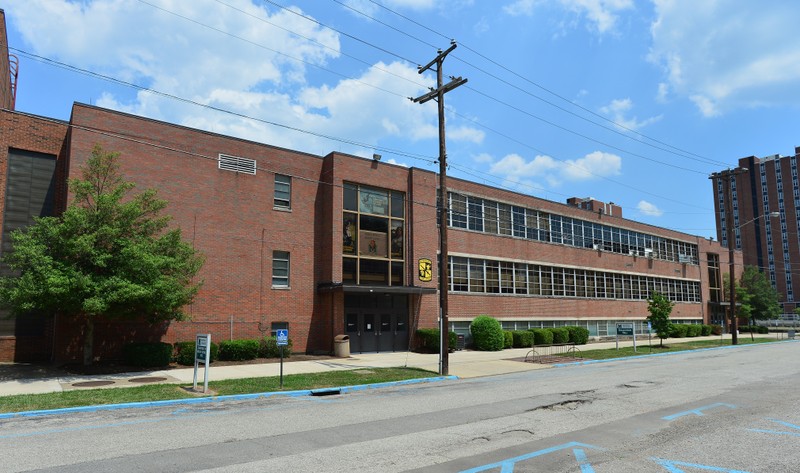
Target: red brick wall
x=6 y=98
x=40 y=135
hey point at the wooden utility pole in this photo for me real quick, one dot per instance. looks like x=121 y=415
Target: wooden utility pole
x=438 y=95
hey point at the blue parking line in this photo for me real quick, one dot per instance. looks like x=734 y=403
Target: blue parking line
x=780 y=432
x=672 y=466
x=698 y=411
x=507 y=465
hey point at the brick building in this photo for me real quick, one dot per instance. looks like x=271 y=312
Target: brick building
x=338 y=244
x=765 y=201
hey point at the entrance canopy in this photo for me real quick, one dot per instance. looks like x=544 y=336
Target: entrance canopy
x=361 y=289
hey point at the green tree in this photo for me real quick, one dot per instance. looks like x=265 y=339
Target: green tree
x=759 y=300
x=108 y=255
x=659 y=307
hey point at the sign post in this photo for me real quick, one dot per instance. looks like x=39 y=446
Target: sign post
x=650 y=336
x=202 y=354
x=282 y=339
x=626 y=329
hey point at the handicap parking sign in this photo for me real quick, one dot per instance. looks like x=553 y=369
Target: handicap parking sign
x=282 y=337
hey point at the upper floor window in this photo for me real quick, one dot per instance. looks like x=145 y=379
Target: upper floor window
x=280 y=269
x=283 y=191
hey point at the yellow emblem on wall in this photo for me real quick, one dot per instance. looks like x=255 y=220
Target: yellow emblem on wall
x=425 y=270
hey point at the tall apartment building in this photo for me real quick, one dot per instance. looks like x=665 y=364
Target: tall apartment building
x=340 y=244
x=765 y=203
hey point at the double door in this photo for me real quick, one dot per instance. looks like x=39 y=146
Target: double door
x=376 y=330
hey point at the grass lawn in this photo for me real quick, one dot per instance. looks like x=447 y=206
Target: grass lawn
x=161 y=392
x=642 y=347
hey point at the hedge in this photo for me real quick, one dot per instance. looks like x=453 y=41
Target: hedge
x=694 y=330
x=705 y=330
x=542 y=336
x=508 y=339
x=147 y=354
x=268 y=348
x=560 y=335
x=522 y=338
x=716 y=329
x=184 y=352
x=238 y=350
x=487 y=334
x=678 y=330
x=428 y=340
x=578 y=335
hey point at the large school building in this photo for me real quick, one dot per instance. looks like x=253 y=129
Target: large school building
x=340 y=244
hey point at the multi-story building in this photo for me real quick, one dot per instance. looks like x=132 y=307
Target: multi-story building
x=764 y=199
x=339 y=244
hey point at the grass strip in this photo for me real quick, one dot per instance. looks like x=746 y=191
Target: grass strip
x=645 y=349
x=162 y=392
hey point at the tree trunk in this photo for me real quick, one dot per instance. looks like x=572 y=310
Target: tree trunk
x=88 y=342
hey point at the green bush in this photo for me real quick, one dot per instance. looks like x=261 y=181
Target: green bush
x=763 y=329
x=694 y=330
x=578 y=335
x=487 y=334
x=522 y=338
x=238 y=350
x=147 y=355
x=706 y=330
x=184 y=353
x=508 y=339
x=268 y=348
x=428 y=340
x=560 y=335
x=678 y=330
x=716 y=329
x=542 y=336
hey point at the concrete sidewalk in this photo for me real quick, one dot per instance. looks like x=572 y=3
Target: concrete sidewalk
x=463 y=364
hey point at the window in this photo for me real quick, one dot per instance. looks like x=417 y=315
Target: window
x=280 y=269
x=283 y=191
x=236 y=164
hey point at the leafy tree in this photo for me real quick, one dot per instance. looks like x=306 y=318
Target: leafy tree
x=108 y=255
x=759 y=300
x=660 y=307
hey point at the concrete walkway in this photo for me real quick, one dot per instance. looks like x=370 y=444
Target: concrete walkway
x=463 y=364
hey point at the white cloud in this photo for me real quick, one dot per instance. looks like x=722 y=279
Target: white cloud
x=728 y=55
x=267 y=74
x=647 y=208
x=617 y=110
x=602 y=14
x=514 y=167
x=663 y=92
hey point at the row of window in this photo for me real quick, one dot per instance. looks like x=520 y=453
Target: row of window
x=483 y=215
x=476 y=275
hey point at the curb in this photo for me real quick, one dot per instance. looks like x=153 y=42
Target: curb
x=231 y=397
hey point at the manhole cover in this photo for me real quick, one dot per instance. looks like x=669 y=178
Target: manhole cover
x=151 y=379
x=92 y=384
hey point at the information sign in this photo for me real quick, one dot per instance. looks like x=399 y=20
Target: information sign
x=202 y=354
x=625 y=329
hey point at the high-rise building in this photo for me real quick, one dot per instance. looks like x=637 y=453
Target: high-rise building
x=764 y=198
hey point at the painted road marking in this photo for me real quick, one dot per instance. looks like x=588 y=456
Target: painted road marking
x=507 y=466
x=698 y=411
x=780 y=432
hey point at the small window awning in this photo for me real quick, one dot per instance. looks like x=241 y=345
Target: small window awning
x=356 y=289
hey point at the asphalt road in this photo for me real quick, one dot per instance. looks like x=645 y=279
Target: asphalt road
x=722 y=410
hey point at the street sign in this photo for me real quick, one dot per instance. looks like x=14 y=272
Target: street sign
x=282 y=337
x=625 y=329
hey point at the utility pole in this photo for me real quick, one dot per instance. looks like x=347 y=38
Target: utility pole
x=438 y=95
x=727 y=176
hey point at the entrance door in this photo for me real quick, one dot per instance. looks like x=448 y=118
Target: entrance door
x=385 y=333
x=376 y=324
x=369 y=331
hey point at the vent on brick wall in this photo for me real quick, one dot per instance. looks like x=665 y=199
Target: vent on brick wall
x=236 y=164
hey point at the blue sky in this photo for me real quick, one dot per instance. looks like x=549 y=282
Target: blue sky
x=630 y=102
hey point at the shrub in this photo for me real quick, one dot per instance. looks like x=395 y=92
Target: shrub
x=560 y=335
x=508 y=339
x=522 y=338
x=184 y=352
x=578 y=335
x=763 y=329
x=678 y=330
x=694 y=330
x=146 y=355
x=705 y=330
x=268 y=348
x=238 y=350
x=428 y=340
x=716 y=329
x=487 y=334
x=542 y=336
